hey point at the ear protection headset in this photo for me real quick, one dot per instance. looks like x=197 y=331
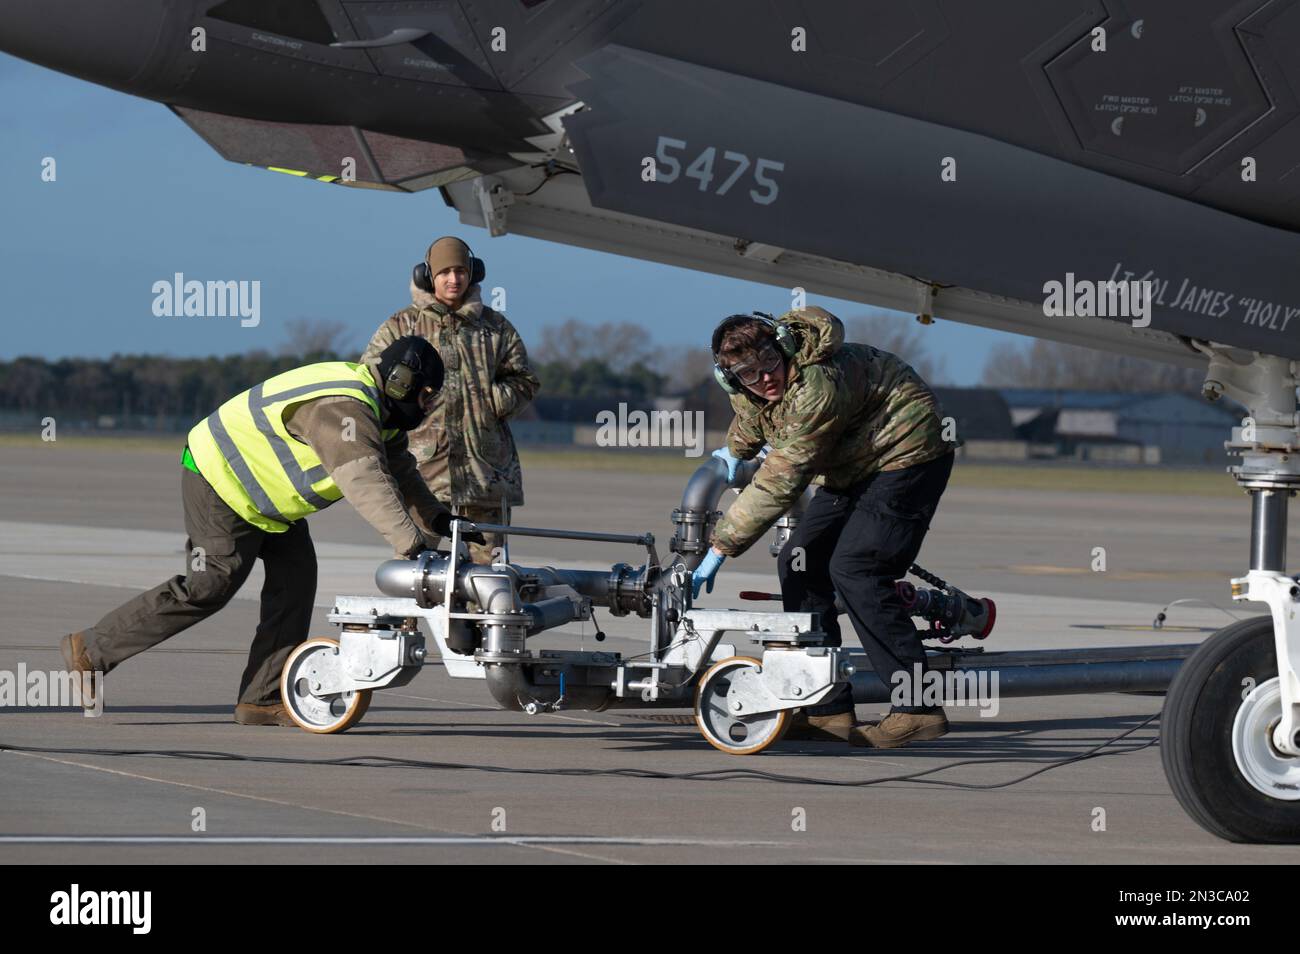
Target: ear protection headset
x=424 y=280
x=409 y=374
x=782 y=337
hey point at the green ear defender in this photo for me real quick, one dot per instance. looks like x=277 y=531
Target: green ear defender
x=782 y=336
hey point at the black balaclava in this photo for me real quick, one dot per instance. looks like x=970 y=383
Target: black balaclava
x=406 y=367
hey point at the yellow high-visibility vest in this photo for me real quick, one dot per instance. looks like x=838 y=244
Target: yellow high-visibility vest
x=255 y=465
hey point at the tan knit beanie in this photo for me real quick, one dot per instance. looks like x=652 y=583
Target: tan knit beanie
x=445 y=253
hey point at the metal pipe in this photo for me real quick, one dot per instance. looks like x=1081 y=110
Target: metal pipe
x=1020 y=674
x=706 y=486
x=548 y=614
x=694 y=518
x=510 y=686
x=495 y=590
x=593 y=584
x=1268 y=519
x=420 y=579
x=641 y=540
x=1049 y=672
x=622 y=588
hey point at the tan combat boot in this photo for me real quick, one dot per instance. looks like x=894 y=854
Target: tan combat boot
x=73 y=648
x=899 y=728
x=820 y=728
x=275 y=714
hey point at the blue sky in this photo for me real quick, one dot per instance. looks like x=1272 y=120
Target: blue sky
x=139 y=197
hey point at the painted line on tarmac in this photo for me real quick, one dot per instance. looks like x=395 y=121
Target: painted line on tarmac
x=552 y=849
x=380 y=840
x=219 y=791
x=549 y=848
x=254 y=592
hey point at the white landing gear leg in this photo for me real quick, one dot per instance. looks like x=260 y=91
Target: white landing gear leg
x=1229 y=728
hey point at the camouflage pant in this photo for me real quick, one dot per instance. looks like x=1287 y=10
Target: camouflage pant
x=482 y=552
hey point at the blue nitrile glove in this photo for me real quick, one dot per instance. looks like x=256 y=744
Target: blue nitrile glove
x=724 y=454
x=705 y=572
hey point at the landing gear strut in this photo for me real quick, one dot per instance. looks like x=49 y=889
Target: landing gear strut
x=1229 y=739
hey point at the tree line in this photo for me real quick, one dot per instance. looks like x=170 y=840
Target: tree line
x=135 y=386
x=130 y=385
x=574 y=359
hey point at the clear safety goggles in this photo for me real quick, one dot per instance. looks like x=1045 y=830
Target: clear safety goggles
x=750 y=373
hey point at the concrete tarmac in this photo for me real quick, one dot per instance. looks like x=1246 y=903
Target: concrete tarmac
x=436 y=773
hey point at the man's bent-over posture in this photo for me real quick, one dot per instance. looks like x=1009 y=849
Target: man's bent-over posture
x=862 y=424
x=266 y=459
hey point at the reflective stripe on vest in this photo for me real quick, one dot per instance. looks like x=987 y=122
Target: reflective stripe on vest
x=252 y=461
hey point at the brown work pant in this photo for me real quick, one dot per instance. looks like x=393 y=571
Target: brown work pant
x=219 y=555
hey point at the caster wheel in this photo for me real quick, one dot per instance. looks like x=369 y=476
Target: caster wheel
x=336 y=712
x=731 y=734
x=1216 y=739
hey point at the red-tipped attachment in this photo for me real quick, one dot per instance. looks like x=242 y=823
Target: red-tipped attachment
x=991 y=610
x=758 y=595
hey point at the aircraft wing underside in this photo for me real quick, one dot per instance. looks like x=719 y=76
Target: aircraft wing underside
x=836 y=182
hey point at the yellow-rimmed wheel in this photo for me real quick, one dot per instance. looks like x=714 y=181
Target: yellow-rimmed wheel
x=304 y=671
x=733 y=734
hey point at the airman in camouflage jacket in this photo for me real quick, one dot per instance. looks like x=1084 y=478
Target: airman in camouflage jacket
x=848 y=411
x=464 y=449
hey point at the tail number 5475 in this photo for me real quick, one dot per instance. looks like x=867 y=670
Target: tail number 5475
x=668 y=168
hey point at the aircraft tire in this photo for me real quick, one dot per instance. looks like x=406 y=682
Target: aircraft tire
x=1215 y=740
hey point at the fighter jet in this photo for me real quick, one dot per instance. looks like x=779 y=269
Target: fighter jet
x=935 y=156
x=1121 y=174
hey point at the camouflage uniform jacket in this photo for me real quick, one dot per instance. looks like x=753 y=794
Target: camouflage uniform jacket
x=464 y=449
x=848 y=412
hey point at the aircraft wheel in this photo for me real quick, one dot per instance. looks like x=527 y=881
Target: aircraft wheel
x=326 y=714
x=1216 y=739
x=734 y=735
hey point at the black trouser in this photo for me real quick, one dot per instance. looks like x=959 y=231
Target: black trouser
x=219 y=555
x=858 y=542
